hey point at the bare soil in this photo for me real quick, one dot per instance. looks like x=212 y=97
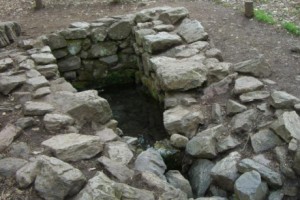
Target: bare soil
x=236 y=36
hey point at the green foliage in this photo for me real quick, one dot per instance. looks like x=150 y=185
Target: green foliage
x=292 y=28
x=263 y=16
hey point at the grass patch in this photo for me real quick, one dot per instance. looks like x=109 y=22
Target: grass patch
x=292 y=28
x=263 y=16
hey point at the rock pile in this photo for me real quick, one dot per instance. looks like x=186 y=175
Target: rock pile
x=240 y=136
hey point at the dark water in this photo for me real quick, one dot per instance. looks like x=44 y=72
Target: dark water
x=138 y=114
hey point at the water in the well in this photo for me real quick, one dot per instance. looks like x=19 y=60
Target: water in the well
x=138 y=114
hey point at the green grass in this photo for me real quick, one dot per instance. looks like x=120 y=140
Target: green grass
x=263 y=16
x=292 y=28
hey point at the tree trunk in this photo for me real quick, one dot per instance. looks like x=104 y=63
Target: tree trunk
x=249 y=10
x=39 y=4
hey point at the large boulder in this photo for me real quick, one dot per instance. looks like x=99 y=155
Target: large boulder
x=182 y=120
x=101 y=187
x=287 y=126
x=199 y=176
x=191 y=31
x=73 y=146
x=175 y=74
x=151 y=161
x=225 y=172
x=249 y=186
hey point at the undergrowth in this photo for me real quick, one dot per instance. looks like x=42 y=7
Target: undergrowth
x=292 y=28
x=263 y=16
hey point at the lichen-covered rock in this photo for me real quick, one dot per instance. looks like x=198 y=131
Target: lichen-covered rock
x=151 y=161
x=225 y=172
x=73 y=146
x=191 y=31
x=199 y=176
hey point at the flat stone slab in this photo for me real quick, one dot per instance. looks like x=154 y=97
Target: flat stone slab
x=160 y=42
x=253 y=96
x=179 y=74
x=282 y=99
x=56 y=122
x=43 y=58
x=247 y=84
x=6 y=64
x=257 y=67
x=36 y=83
x=173 y=15
x=264 y=140
x=32 y=108
x=191 y=31
x=74 y=147
x=287 y=126
x=233 y=107
x=9 y=83
x=48 y=71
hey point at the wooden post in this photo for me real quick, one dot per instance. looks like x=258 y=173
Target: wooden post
x=39 y=4
x=249 y=9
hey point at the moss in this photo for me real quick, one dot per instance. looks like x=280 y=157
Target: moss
x=81 y=85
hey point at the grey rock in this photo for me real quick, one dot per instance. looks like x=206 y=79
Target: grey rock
x=186 y=53
x=56 y=41
x=191 y=31
x=27 y=64
x=57 y=179
x=253 y=96
x=43 y=58
x=107 y=135
x=73 y=146
x=250 y=187
x=32 y=108
x=43 y=91
x=264 y=140
x=257 y=67
x=9 y=83
x=271 y=177
x=49 y=71
x=244 y=121
x=293 y=145
x=26 y=175
x=281 y=99
x=164 y=27
x=211 y=198
x=7 y=135
x=32 y=73
x=98 y=34
x=60 y=84
x=25 y=122
x=175 y=178
x=35 y=83
x=225 y=172
x=179 y=74
x=74 y=33
x=178 y=141
x=5 y=64
x=246 y=84
x=9 y=166
x=160 y=42
x=100 y=186
x=276 y=195
x=69 y=64
x=60 y=53
x=262 y=159
x=199 y=176
x=121 y=172
x=150 y=161
x=57 y=122
x=91 y=107
x=214 y=53
x=217 y=70
x=199 y=45
x=287 y=126
x=139 y=34
x=173 y=15
x=233 y=107
x=281 y=153
x=182 y=120
x=110 y=60
x=103 y=49
x=118 y=151
x=74 y=47
x=226 y=143
x=217 y=191
x=216 y=113
x=20 y=150
x=203 y=145
x=162 y=188
x=296 y=163
x=120 y=30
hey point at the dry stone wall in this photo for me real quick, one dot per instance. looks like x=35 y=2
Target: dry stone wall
x=240 y=135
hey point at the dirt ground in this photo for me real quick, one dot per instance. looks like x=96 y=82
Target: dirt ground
x=236 y=36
